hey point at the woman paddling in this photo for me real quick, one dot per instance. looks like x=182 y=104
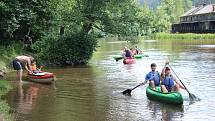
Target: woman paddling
x=168 y=82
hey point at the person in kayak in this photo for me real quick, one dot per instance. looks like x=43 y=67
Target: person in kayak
x=127 y=54
x=22 y=61
x=138 y=50
x=153 y=77
x=34 y=68
x=168 y=82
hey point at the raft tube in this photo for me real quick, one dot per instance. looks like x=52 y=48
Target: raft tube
x=170 y=97
x=44 y=78
x=129 y=61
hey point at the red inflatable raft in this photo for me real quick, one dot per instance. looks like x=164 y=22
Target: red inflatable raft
x=129 y=61
x=43 y=77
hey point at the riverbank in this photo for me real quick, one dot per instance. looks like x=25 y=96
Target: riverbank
x=8 y=53
x=184 y=36
x=5 y=110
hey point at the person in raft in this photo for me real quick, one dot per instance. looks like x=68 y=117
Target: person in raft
x=138 y=51
x=22 y=61
x=153 y=77
x=168 y=82
x=34 y=68
x=127 y=54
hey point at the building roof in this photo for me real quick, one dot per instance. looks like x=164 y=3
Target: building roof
x=203 y=9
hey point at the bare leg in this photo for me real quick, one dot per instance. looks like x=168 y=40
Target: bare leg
x=163 y=88
x=152 y=84
x=176 y=87
x=19 y=74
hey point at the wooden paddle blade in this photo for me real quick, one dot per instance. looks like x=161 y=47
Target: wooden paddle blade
x=127 y=92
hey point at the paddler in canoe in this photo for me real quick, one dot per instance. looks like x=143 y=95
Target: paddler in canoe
x=138 y=51
x=168 y=82
x=127 y=54
x=153 y=77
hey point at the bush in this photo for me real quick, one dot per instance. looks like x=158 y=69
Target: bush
x=73 y=49
x=8 y=53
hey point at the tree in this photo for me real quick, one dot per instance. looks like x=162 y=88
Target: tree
x=20 y=16
x=79 y=20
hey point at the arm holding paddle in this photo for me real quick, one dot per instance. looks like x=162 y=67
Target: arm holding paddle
x=153 y=77
x=175 y=80
x=191 y=96
x=179 y=83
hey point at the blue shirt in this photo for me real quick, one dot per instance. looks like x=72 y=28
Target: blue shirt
x=153 y=75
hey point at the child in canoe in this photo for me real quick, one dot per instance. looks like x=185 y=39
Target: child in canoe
x=168 y=82
x=34 y=68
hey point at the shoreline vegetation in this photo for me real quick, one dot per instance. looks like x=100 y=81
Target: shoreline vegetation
x=8 y=53
x=180 y=36
x=5 y=110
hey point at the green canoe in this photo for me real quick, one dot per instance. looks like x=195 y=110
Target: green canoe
x=118 y=57
x=170 y=97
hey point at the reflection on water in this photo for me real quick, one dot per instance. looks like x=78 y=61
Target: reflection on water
x=93 y=92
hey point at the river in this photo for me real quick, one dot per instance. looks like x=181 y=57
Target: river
x=93 y=92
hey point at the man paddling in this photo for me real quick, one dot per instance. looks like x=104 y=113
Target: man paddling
x=22 y=61
x=169 y=83
x=153 y=77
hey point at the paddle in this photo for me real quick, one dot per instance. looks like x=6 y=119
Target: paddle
x=191 y=96
x=128 y=91
x=117 y=59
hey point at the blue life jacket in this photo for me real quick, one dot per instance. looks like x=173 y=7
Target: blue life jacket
x=155 y=77
x=168 y=82
x=127 y=53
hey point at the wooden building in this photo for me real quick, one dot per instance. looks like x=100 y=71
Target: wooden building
x=197 y=20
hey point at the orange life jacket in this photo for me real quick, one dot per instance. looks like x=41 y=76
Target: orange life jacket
x=33 y=67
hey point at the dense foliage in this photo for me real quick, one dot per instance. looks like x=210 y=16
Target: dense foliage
x=59 y=28
x=75 y=48
x=20 y=17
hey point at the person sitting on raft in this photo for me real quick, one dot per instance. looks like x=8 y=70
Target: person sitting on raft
x=138 y=51
x=34 y=68
x=153 y=77
x=168 y=82
x=127 y=53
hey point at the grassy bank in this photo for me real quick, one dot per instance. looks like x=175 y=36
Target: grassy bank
x=5 y=110
x=185 y=36
x=8 y=53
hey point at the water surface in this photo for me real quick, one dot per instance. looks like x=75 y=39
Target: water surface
x=93 y=92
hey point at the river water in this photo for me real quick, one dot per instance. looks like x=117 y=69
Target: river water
x=93 y=92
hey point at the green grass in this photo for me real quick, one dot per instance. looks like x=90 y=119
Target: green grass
x=8 y=53
x=4 y=87
x=5 y=110
x=185 y=36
